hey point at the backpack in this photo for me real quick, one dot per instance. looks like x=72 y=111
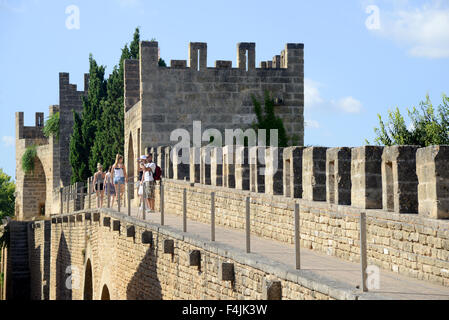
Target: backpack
x=157 y=174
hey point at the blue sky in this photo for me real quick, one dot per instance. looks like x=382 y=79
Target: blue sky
x=361 y=57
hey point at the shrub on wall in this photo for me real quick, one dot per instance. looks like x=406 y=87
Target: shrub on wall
x=51 y=127
x=28 y=159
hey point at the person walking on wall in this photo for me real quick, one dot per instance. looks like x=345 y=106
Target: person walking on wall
x=109 y=184
x=149 y=183
x=98 y=183
x=119 y=177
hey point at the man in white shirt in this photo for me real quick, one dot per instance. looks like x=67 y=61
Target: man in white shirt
x=149 y=183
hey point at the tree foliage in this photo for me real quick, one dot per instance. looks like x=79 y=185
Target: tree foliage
x=267 y=119
x=7 y=197
x=427 y=126
x=51 y=127
x=98 y=134
x=28 y=158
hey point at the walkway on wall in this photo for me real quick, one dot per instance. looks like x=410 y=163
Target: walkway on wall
x=392 y=285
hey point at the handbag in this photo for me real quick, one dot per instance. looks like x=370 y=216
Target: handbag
x=140 y=191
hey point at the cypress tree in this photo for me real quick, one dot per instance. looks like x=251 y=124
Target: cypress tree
x=78 y=155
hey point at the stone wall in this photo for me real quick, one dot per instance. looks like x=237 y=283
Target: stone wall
x=159 y=100
x=411 y=245
x=35 y=190
x=130 y=259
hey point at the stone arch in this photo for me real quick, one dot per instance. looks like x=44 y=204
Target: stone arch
x=131 y=160
x=34 y=191
x=105 y=293
x=88 y=290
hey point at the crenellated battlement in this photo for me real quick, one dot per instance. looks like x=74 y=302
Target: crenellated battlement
x=159 y=100
x=29 y=132
x=397 y=179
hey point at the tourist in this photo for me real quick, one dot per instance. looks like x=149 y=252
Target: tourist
x=119 y=177
x=149 y=183
x=109 y=185
x=98 y=183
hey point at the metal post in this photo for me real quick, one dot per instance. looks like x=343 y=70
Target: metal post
x=129 y=198
x=68 y=198
x=363 y=257
x=144 y=215
x=184 y=211
x=119 y=195
x=212 y=216
x=109 y=194
x=162 y=205
x=89 y=191
x=96 y=192
x=248 y=227
x=61 y=200
x=297 y=238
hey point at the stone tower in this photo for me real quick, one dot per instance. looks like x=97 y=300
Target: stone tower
x=35 y=190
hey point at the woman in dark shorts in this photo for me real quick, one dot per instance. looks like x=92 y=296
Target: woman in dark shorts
x=99 y=184
x=109 y=185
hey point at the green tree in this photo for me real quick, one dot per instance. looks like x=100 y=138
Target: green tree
x=78 y=156
x=109 y=139
x=427 y=126
x=267 y=119
x=51 y=127
x=7 y=197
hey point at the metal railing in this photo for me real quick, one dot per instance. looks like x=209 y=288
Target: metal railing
x=71 y=193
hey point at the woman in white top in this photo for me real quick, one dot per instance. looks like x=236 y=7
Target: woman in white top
x=119 y=176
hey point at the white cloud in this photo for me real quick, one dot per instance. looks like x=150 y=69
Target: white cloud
x=312 y=95
x=314 y=101
x=424 y=30
x=313 y=124
x=348 y=105
x=129 y=3
x=8 y=141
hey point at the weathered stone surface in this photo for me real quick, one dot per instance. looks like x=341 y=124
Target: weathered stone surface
x=242 y=171
x=338 y=176
x=399 y=179
x=433 y=175
x=274 y=171
x=314 y=174
x=366 y=177
x=195 y=165
x=293 y=172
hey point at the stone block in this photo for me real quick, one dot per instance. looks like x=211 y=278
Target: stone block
x=181 y=166
x=399 y=179
x=257 y=169
x=433 y=176
x=292 y=172
x=195 y=165
x=242 y=170
x=274 y=171
x=338 y=176
x=366 y=177
x=229 y=166
x=314 y=174
x=206 y=165
x=216 y=166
